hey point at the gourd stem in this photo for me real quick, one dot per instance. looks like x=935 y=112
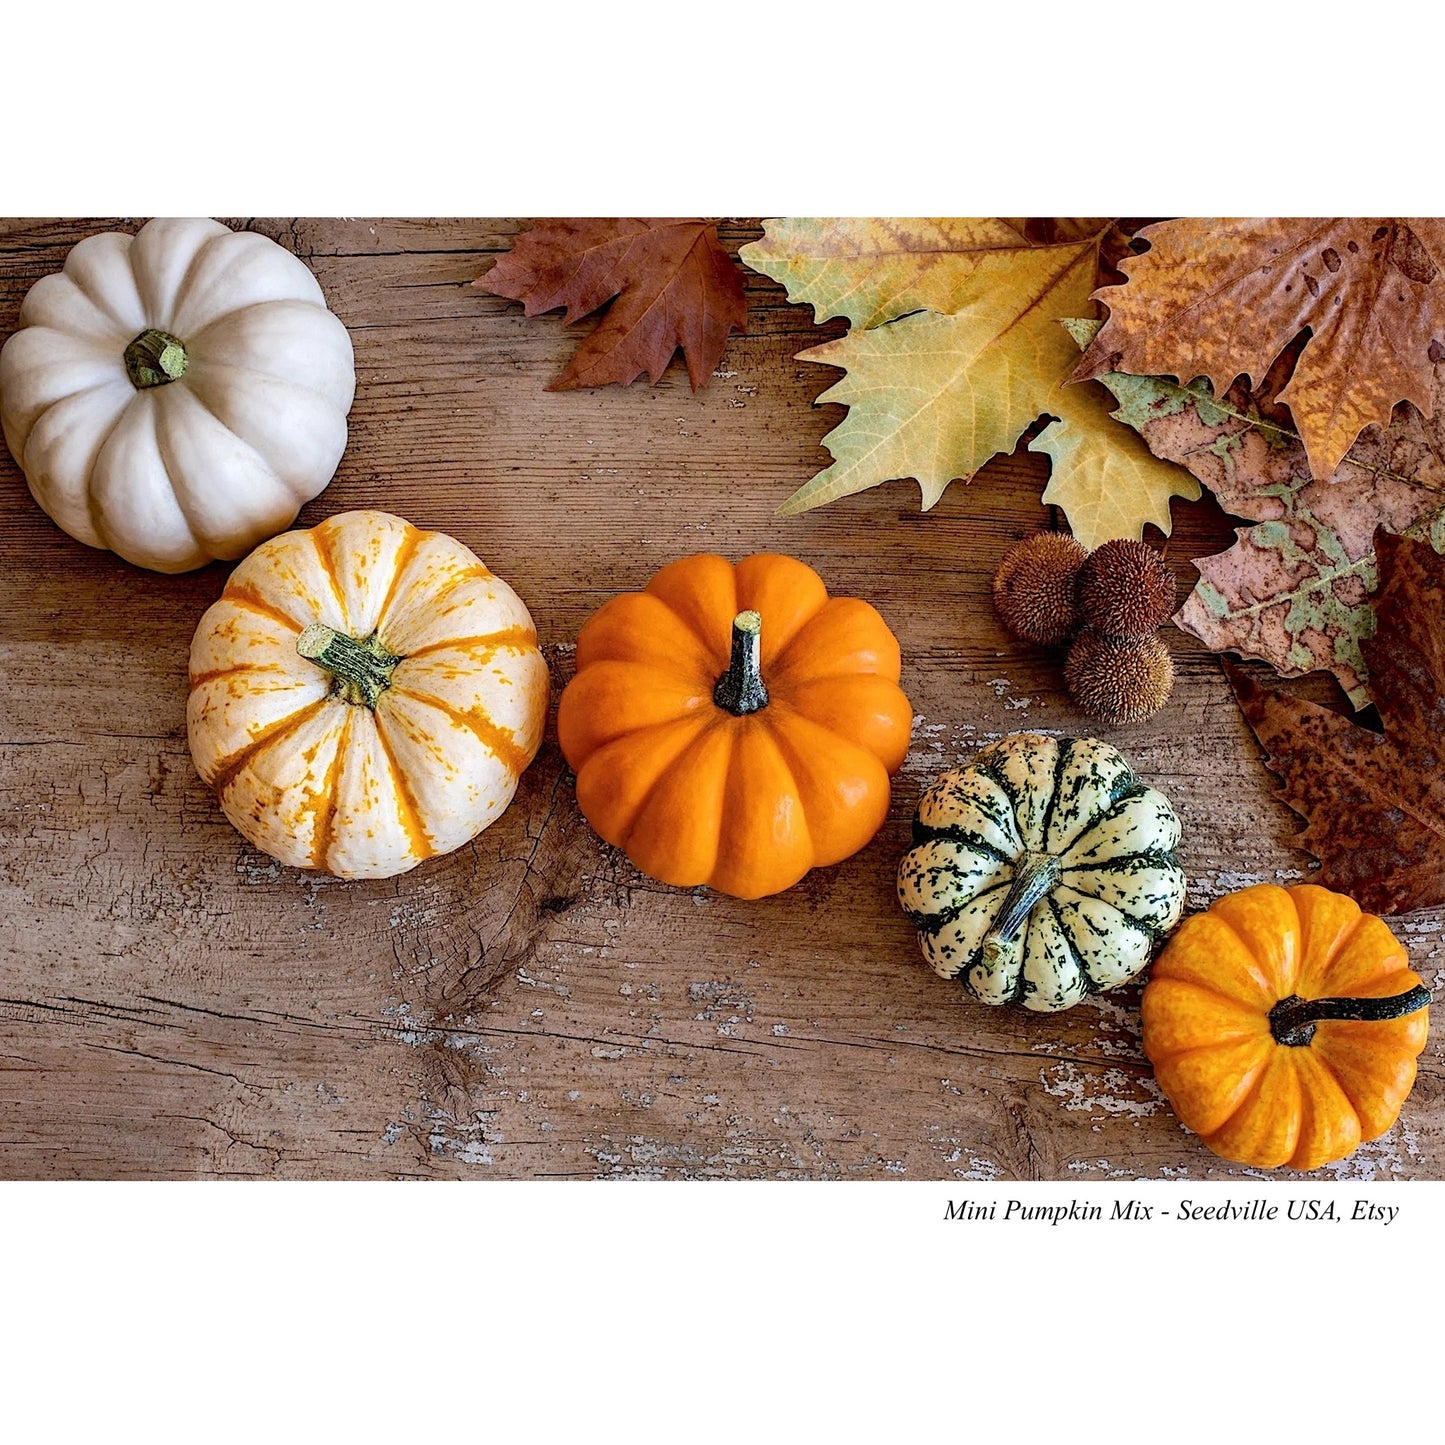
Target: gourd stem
x=1035 y=876
x=1292 y=1020
x=740 y=689
x=360 y=669
x=155 y=358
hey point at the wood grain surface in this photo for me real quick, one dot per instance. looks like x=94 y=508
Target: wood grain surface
x=173 y=1004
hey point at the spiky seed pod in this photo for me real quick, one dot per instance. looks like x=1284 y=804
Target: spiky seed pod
x=1034 y=588
x=1118 y=679
x=1126 y=589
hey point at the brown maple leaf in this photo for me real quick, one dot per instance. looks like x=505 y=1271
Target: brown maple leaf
x=674 y=286
x=1223 y=298
x=1374 y=803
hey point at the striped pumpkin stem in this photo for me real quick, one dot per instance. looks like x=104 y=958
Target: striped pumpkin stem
x=1035 y=877
x=360 y=669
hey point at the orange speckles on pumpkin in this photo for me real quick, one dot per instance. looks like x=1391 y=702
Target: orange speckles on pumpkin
x=404 y=553
x=321 y=804
x=252 y=601
x=483 y=645
x=499 y=741
x=224 y=771
x=339 y=781
x=408 y=812
x=199 y=679
x=321 y=538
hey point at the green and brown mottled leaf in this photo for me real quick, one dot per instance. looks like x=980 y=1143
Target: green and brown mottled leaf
x=1294 y=590
x=956 y=351
x=1374 y=804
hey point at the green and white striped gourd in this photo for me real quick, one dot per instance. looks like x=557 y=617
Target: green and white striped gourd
x=1043 y=872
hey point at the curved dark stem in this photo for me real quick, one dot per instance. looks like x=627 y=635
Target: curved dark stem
x=1292 y=1020
x=740 y=689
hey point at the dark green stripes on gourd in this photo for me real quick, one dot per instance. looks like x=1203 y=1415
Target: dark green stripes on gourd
x=1132 y=863
x=937 y=922
x=940 y=876
x=1079 y=961
x=1126 y=786
x=1075 y=956
x=1061 y=763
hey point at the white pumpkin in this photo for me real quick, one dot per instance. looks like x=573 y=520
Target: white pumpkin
x=364 y=695
x=175 y=396
x=1043 y=872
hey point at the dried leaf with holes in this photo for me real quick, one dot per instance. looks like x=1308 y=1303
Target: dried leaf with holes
x=1375 y=804
x=674 y=287
x=1293 y=591
x=1223 y=298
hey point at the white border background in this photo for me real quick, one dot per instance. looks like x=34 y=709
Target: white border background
x=701 y=1312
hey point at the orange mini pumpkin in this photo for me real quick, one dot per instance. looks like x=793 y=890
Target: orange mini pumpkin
x=1284 y=1024
x=734 y=725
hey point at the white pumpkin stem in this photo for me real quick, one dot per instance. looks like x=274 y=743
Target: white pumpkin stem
x=361 y=669
x=1035 y=877
x=740 y=689
x=155 y=358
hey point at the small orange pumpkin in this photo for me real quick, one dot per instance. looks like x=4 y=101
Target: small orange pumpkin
x=1284 y=1024
x=734 y=725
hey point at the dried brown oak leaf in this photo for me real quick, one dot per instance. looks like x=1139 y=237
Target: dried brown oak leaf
x=674 y=286
x=1374 y=804
x=1222 y=298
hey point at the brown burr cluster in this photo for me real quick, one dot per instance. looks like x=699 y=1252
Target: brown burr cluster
x=1111 y=602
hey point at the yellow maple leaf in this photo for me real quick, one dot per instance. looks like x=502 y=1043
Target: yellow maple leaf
x=934 y=395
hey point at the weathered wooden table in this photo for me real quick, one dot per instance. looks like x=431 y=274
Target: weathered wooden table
x=175 y=1004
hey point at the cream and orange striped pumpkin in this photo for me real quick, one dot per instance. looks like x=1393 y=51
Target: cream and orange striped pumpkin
x=364 y=695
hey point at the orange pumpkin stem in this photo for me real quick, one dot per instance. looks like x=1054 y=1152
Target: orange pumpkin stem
x=1292 y=1020
x=740 y=689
